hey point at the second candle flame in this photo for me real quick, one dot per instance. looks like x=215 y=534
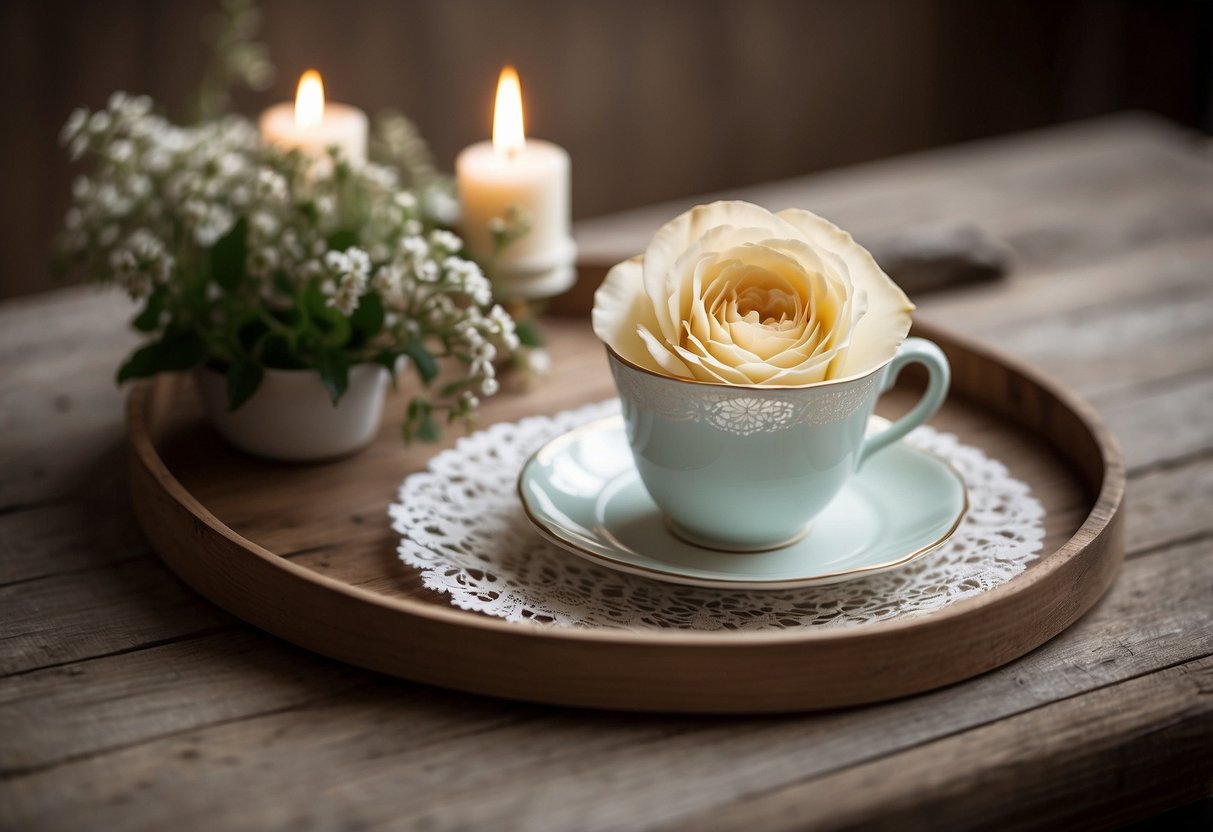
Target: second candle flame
x=508 y=134
x=309 y=100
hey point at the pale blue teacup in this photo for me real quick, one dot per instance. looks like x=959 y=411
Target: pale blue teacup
x=747 y=468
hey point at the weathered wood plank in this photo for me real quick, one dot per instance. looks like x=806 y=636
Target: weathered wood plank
x=1097 y=761
x=360 y=746
x=1099 y=328
x=1165 y=425
x=60 y=411
x=65 y=322
x=108 y=609
x=90 y=707
x=1169 y=505
x=92 y=528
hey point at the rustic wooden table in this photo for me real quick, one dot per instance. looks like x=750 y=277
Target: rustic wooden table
x=128 y=702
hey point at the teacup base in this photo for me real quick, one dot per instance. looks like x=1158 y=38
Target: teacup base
x=687 y=536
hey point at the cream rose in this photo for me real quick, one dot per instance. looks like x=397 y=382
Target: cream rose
x=734 y=294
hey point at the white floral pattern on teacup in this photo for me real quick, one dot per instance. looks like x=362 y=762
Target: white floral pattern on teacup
x=767 y=411
x=731 y=293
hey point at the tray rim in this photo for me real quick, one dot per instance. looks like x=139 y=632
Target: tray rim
x=1099 y=536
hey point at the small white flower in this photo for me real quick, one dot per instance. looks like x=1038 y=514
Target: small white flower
x=428 y=271
x=472 y=337
x=157 y=160
x=489 y=386
x=337 y=261
x=214 y=223
x=539 y=362
x=139 y=187
x=75 y=123
x=121 y=151
x=388 y=278
x=485 y=351
x=99 y=122
x=359 y=260
x=262 y=261
x=239 y=196
x=270 y=185
x=415 y=247
x=263 y=225
x=445 y=241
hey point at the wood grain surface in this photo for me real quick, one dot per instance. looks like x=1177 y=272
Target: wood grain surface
x=129 y=702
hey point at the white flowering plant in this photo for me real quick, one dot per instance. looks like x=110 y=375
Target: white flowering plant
x=245 y=257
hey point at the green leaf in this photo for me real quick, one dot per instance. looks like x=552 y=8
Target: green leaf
x=328 y=323
x=176 y=351
x=419 y=422
x=283 y=284
x=334 y=370
x=368 y=318
x=250 y=331
x=423 y=360
x=528 y=334
x=149 y=318
x=389 y=359
x=342 y=239
x=276 y=352
x=428 y=430
x=312 y=300
x=243 y=379
x=228 y=256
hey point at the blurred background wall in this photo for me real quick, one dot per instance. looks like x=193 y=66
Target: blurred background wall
x=653 y=99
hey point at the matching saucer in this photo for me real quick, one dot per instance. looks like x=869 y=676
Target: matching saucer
x=582 y=492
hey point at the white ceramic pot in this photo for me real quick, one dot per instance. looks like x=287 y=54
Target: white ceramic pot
x=291 y=416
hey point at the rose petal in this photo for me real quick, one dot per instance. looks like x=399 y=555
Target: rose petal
x=878 y=333
x=671 y=291
x=619 y=309
x=661 y=353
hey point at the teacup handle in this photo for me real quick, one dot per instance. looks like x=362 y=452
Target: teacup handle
x=939 y=375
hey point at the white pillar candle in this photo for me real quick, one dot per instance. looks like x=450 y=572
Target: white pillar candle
x=313 y=126
x=529 y=177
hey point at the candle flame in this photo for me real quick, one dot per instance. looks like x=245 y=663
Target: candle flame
x=309 y=100
x=508 y=134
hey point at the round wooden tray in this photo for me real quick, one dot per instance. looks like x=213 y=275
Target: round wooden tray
x=306 y=552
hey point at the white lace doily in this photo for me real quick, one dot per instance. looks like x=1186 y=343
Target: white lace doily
x=462 y=526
